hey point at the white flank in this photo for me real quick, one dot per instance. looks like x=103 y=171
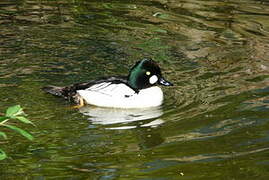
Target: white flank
x=121 y=96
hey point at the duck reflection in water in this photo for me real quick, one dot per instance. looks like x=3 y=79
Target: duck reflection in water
x=110 y=116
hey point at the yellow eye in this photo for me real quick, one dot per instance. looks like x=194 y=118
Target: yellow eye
x=148 y=73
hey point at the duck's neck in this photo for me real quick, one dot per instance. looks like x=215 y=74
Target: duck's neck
x=132 y=85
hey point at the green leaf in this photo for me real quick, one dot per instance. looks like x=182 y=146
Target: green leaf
x=24 y=120
x=2 y=154
x=14 y=110
x=2 y=118
x=3 y=134
x=21 y=131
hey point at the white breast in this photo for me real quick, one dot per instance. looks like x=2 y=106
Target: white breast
x=121 y=96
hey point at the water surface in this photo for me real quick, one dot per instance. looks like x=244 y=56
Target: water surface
x=212 y=125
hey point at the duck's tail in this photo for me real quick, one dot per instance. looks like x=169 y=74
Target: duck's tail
x=56 y=90
x=67 y=92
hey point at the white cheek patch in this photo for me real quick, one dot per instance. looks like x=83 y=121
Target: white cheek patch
x=153 y=79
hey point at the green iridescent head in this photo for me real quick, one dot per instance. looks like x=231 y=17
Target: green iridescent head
x=146 y=73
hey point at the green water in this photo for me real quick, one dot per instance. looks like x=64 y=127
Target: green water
x=214 y=123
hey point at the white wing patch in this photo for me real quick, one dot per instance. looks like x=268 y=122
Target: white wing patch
x=102 y=87
x=110 y=89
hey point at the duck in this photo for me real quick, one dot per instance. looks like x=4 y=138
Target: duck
x=137 y=90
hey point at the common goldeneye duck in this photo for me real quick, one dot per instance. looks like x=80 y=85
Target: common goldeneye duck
x=138 y=90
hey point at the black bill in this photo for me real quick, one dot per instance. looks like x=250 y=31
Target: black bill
x=164 y=82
